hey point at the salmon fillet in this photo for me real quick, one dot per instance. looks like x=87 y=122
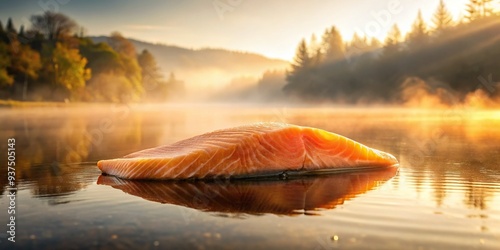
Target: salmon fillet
x=255 y=149
x=290 y=197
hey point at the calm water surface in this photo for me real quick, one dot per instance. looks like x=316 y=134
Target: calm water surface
x=445 y=195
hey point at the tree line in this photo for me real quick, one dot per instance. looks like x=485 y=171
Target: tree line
x=457 y=57
x=53 y=61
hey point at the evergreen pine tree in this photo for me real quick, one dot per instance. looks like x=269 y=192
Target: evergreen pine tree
x=3 y=34
x=478 y=9
x=333 y=45
x=301 y=65
x=392 y=41
x=21 y=31
x=442 y=18
x=10 y=26
x=375 y=43
x=314 y=49
x=302 y=61
x=418 y=34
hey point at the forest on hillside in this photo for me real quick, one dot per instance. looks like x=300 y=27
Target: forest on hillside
x=443 y=62
x=51 y=61
x=440 y=63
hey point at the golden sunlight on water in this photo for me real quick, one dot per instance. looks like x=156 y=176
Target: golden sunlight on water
x=446 y=193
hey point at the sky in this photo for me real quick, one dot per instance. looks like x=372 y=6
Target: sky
x=269 y=27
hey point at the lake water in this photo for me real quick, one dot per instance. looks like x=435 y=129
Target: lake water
x=445 y=195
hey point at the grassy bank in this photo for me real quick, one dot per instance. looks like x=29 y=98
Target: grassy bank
x=21 y=104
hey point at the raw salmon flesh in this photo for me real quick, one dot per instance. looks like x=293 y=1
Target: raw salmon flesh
x=254 y=150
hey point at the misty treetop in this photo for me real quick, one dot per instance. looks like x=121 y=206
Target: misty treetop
x=446 y=58
x=51 y=61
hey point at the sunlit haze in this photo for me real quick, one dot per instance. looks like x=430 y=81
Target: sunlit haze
x=236 y=124
x=272 y=28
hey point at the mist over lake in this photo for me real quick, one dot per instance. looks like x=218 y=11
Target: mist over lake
x=86 y=81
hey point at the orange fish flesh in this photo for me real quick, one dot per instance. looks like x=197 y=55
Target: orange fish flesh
x=252 y=150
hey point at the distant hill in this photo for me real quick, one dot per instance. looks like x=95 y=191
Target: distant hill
x=212 y=68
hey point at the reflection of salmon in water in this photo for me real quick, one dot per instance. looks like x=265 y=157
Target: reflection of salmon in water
x=247 y=150
x=289 y=197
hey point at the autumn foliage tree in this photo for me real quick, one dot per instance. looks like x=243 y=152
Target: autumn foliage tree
x=130 y=88
x=70 y=71
x=49 y=62
x=19 y=64
x=122 y=45
x=155 y=86
x=25 y=64
x=5 y=78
